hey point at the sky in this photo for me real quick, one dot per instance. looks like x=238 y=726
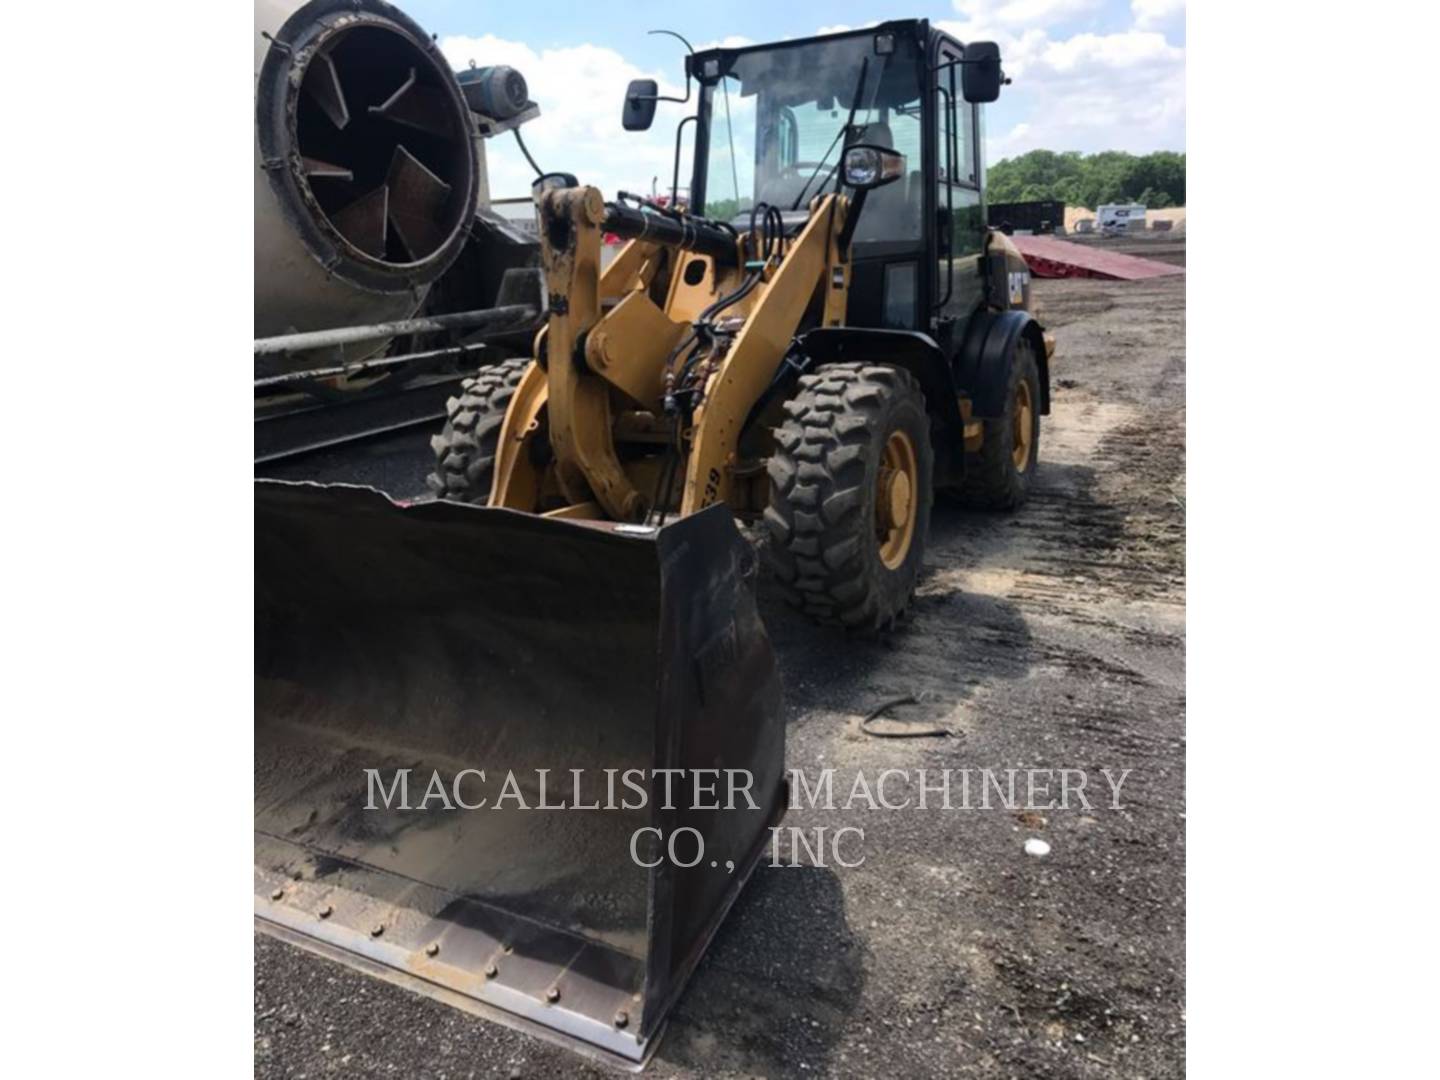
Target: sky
x=1087 y=75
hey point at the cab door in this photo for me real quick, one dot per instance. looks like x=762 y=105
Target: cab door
x=958 y=288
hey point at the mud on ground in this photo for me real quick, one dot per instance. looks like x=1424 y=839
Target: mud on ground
x=1053 y=637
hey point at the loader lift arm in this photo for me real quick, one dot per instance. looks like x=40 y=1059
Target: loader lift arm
x=607 y=342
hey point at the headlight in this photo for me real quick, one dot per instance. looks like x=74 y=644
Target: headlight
x=871 y=166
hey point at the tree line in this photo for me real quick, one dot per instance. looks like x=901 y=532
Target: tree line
x=1113 y=176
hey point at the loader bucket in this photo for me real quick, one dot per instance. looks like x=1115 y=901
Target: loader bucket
x=442 y=638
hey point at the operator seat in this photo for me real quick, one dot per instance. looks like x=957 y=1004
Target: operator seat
x=876 y=134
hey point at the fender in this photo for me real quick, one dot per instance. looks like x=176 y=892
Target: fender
x=916 y=352
x=982 y=367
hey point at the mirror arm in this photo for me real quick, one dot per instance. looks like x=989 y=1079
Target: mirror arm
x=656 y=97
x=1004 y=79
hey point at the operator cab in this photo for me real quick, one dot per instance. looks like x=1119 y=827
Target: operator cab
x=773 y=126
x=776 y=120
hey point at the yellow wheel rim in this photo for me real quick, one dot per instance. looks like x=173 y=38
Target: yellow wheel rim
x=897 y=490
x=1023 y=417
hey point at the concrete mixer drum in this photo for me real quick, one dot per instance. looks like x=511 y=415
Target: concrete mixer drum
x=367 y=166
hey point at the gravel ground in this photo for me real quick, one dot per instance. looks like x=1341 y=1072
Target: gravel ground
x=1052 y=637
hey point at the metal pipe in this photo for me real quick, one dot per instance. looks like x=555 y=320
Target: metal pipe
x=511 y=317
x=288 y=377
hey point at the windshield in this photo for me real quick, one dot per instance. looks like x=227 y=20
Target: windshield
x=777 y=129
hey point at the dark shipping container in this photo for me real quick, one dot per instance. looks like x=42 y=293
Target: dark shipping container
x=1036 y=217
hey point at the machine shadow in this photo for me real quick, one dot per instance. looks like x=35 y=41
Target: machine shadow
x=947 y=637
x=774 y=992
x=962 y=627
x=1064 y=510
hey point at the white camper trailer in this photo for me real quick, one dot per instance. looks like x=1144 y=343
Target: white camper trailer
x=1118 y=218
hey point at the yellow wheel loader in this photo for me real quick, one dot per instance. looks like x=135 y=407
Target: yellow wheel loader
x=823 y=339
x=829 y=338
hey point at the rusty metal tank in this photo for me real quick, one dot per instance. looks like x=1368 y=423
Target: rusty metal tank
x=366 y=170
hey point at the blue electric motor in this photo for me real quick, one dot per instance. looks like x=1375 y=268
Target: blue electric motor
x=498 y=92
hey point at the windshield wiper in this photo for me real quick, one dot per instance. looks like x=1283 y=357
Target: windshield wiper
x=849 y=122
x=818 y=166
x=730 y=132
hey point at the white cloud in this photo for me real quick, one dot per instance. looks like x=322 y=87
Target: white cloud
x=840 y=28
x=729 y=41
x=1150 y=13
x=1089 y=92
x=1110 y=52
x=581 y=91
x=1015 y=13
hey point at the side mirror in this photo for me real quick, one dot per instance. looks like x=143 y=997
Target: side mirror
x=980 y=77
x=640 y=98
x=867 y=167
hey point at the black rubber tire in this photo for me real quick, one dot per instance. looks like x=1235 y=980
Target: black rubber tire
x=823 y=545
x=465 y=449
x=992 y=482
